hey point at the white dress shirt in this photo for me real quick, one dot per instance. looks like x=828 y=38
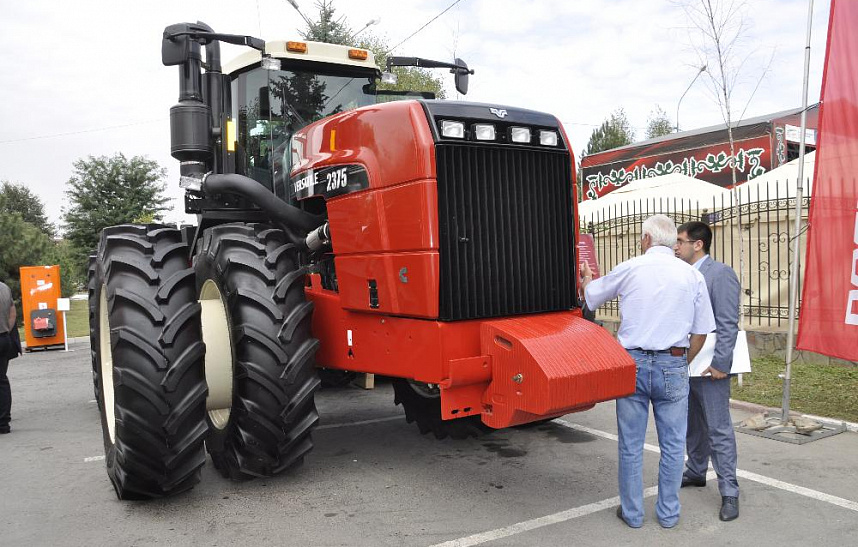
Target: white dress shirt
x=662 y=300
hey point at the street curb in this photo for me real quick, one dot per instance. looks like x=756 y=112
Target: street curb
x=759 y=409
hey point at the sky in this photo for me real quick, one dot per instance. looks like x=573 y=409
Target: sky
x=85 y=77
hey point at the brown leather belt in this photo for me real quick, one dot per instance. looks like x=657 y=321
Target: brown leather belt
x=674 y=351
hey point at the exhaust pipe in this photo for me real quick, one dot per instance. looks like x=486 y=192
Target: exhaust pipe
x=293 y=217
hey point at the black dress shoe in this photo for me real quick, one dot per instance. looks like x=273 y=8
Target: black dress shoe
x=622 y=518
x=729 y=508
x=692 y=481
x=620 y=515
x=4 y=430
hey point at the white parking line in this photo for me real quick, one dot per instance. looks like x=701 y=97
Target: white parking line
x=801 y=490
x=591 y=508
x=93 y=459
x=361 y=422
x=533 y=524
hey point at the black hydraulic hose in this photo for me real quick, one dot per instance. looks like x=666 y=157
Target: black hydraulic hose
x=293 y=217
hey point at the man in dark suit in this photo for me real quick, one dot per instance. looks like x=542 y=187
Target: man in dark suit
x=710 y=427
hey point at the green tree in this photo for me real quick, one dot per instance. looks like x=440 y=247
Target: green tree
x=658 y=124
x=63 y=254
x=614 y=132
x=22 y=244
x=407 y=78
x=105 y=192
x=17 y=198
x=336 y=30
x=328 y=28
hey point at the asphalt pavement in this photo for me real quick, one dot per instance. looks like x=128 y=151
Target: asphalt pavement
x=373 y=480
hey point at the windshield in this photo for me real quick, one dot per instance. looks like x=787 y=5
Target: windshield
x=272 y=104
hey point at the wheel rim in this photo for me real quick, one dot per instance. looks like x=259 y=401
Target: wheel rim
x=106 y=354
x=218 y=359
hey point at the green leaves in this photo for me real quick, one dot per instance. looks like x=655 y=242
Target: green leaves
x=336 y=30
x=106 y=192
x=109 y=191
x=17 y=198
x=614 y=132
x=658 y=124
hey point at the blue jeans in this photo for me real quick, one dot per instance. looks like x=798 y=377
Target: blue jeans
x=663 y=380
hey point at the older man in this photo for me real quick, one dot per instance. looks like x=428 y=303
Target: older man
x=662 y=301
x=710 y=428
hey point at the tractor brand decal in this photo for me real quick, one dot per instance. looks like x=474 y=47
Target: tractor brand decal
x=499 y=112
x=749 y=160
x=329 y=181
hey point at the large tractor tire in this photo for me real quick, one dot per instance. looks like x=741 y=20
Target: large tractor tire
x=93 y=327
x=260 y=359
x=148 y=361
x=422 y=404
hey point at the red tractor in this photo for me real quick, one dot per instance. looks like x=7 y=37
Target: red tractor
x=430 y=241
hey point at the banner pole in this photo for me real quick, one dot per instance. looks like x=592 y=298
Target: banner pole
x=796 y=248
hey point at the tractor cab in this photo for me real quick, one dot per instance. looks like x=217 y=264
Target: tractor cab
x=292 y=85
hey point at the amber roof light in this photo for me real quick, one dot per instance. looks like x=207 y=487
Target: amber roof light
x=359 y=54
x=296 y=47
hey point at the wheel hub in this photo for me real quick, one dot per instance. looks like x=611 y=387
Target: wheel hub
x=218 y=360
x=106 y=353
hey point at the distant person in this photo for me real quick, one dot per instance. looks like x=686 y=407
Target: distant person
x=8 y=350
x=662 y=302
x=710 y=427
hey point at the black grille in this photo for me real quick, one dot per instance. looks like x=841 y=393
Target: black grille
x=505 y=226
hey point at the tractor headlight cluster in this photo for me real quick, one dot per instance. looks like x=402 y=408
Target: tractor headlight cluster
x=501 y=133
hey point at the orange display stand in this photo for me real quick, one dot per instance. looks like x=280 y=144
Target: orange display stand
x=43 y=323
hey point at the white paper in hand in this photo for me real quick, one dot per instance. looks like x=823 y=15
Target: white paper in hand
x=741 y=357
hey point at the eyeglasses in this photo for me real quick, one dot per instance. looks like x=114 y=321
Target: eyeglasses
x=681 y=241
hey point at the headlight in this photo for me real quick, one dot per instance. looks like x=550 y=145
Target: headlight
x=548 y=138
x=520 y=134
x=484 y=132
x=455 y=130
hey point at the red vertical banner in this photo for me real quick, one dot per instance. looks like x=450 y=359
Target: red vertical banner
x=829 y=312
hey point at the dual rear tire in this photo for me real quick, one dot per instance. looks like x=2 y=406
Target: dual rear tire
x=161 y=394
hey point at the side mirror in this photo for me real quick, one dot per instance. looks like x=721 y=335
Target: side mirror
x=388 y=78
x=176 y=50
x=461 y=77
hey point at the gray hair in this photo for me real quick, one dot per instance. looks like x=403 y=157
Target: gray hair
x=661 y=230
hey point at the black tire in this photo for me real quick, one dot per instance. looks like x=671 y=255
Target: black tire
x=422 y=404
x=149 y=359
x=268 y=427
x=93 y=333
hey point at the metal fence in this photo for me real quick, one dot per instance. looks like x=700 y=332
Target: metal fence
x=763 y=214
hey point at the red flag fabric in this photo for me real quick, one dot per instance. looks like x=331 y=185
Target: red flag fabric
x=829 y=312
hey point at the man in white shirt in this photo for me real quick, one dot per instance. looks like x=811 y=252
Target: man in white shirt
x=663 y=300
